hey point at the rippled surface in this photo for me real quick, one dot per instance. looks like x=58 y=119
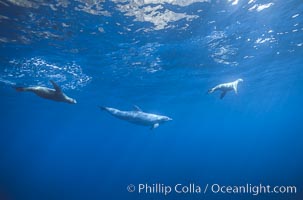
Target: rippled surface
x=162 y=55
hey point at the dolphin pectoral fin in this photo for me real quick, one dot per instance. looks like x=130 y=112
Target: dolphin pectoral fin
x=223 y=95
x=56 y=86
x=156 y=125
x=137 y=108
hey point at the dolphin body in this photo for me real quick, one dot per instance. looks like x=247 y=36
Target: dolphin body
x=137 y=116
x=226 y=87
x=55 y=94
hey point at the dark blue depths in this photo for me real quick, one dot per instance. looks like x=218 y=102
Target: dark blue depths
x=107 y=54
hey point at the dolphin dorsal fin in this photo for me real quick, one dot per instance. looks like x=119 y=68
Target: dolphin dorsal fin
x=137 y=108
x=56 y=87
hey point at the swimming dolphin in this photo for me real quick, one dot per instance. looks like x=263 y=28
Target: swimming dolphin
x=55 y=94
x=137 y=116
x=225 y=87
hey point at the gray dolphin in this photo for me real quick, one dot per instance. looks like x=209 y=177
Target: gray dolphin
x=55 y=94
x=137 y=116
x=226 y=87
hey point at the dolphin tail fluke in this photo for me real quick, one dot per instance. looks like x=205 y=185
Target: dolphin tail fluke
x=19 y=89
x=210 y=91
x=102 y=107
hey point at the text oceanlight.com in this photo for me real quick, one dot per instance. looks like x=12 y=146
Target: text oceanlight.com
x=193 y=188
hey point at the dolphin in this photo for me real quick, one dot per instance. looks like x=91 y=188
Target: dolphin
x=226 y=87
x=55 y=94
x=137 y=116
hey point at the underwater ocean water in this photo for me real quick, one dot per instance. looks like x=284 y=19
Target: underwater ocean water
x=163 y=56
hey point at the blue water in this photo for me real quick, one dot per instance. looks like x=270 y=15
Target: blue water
x=162 y=56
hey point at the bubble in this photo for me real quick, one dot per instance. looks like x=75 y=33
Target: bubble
x=37 y=71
